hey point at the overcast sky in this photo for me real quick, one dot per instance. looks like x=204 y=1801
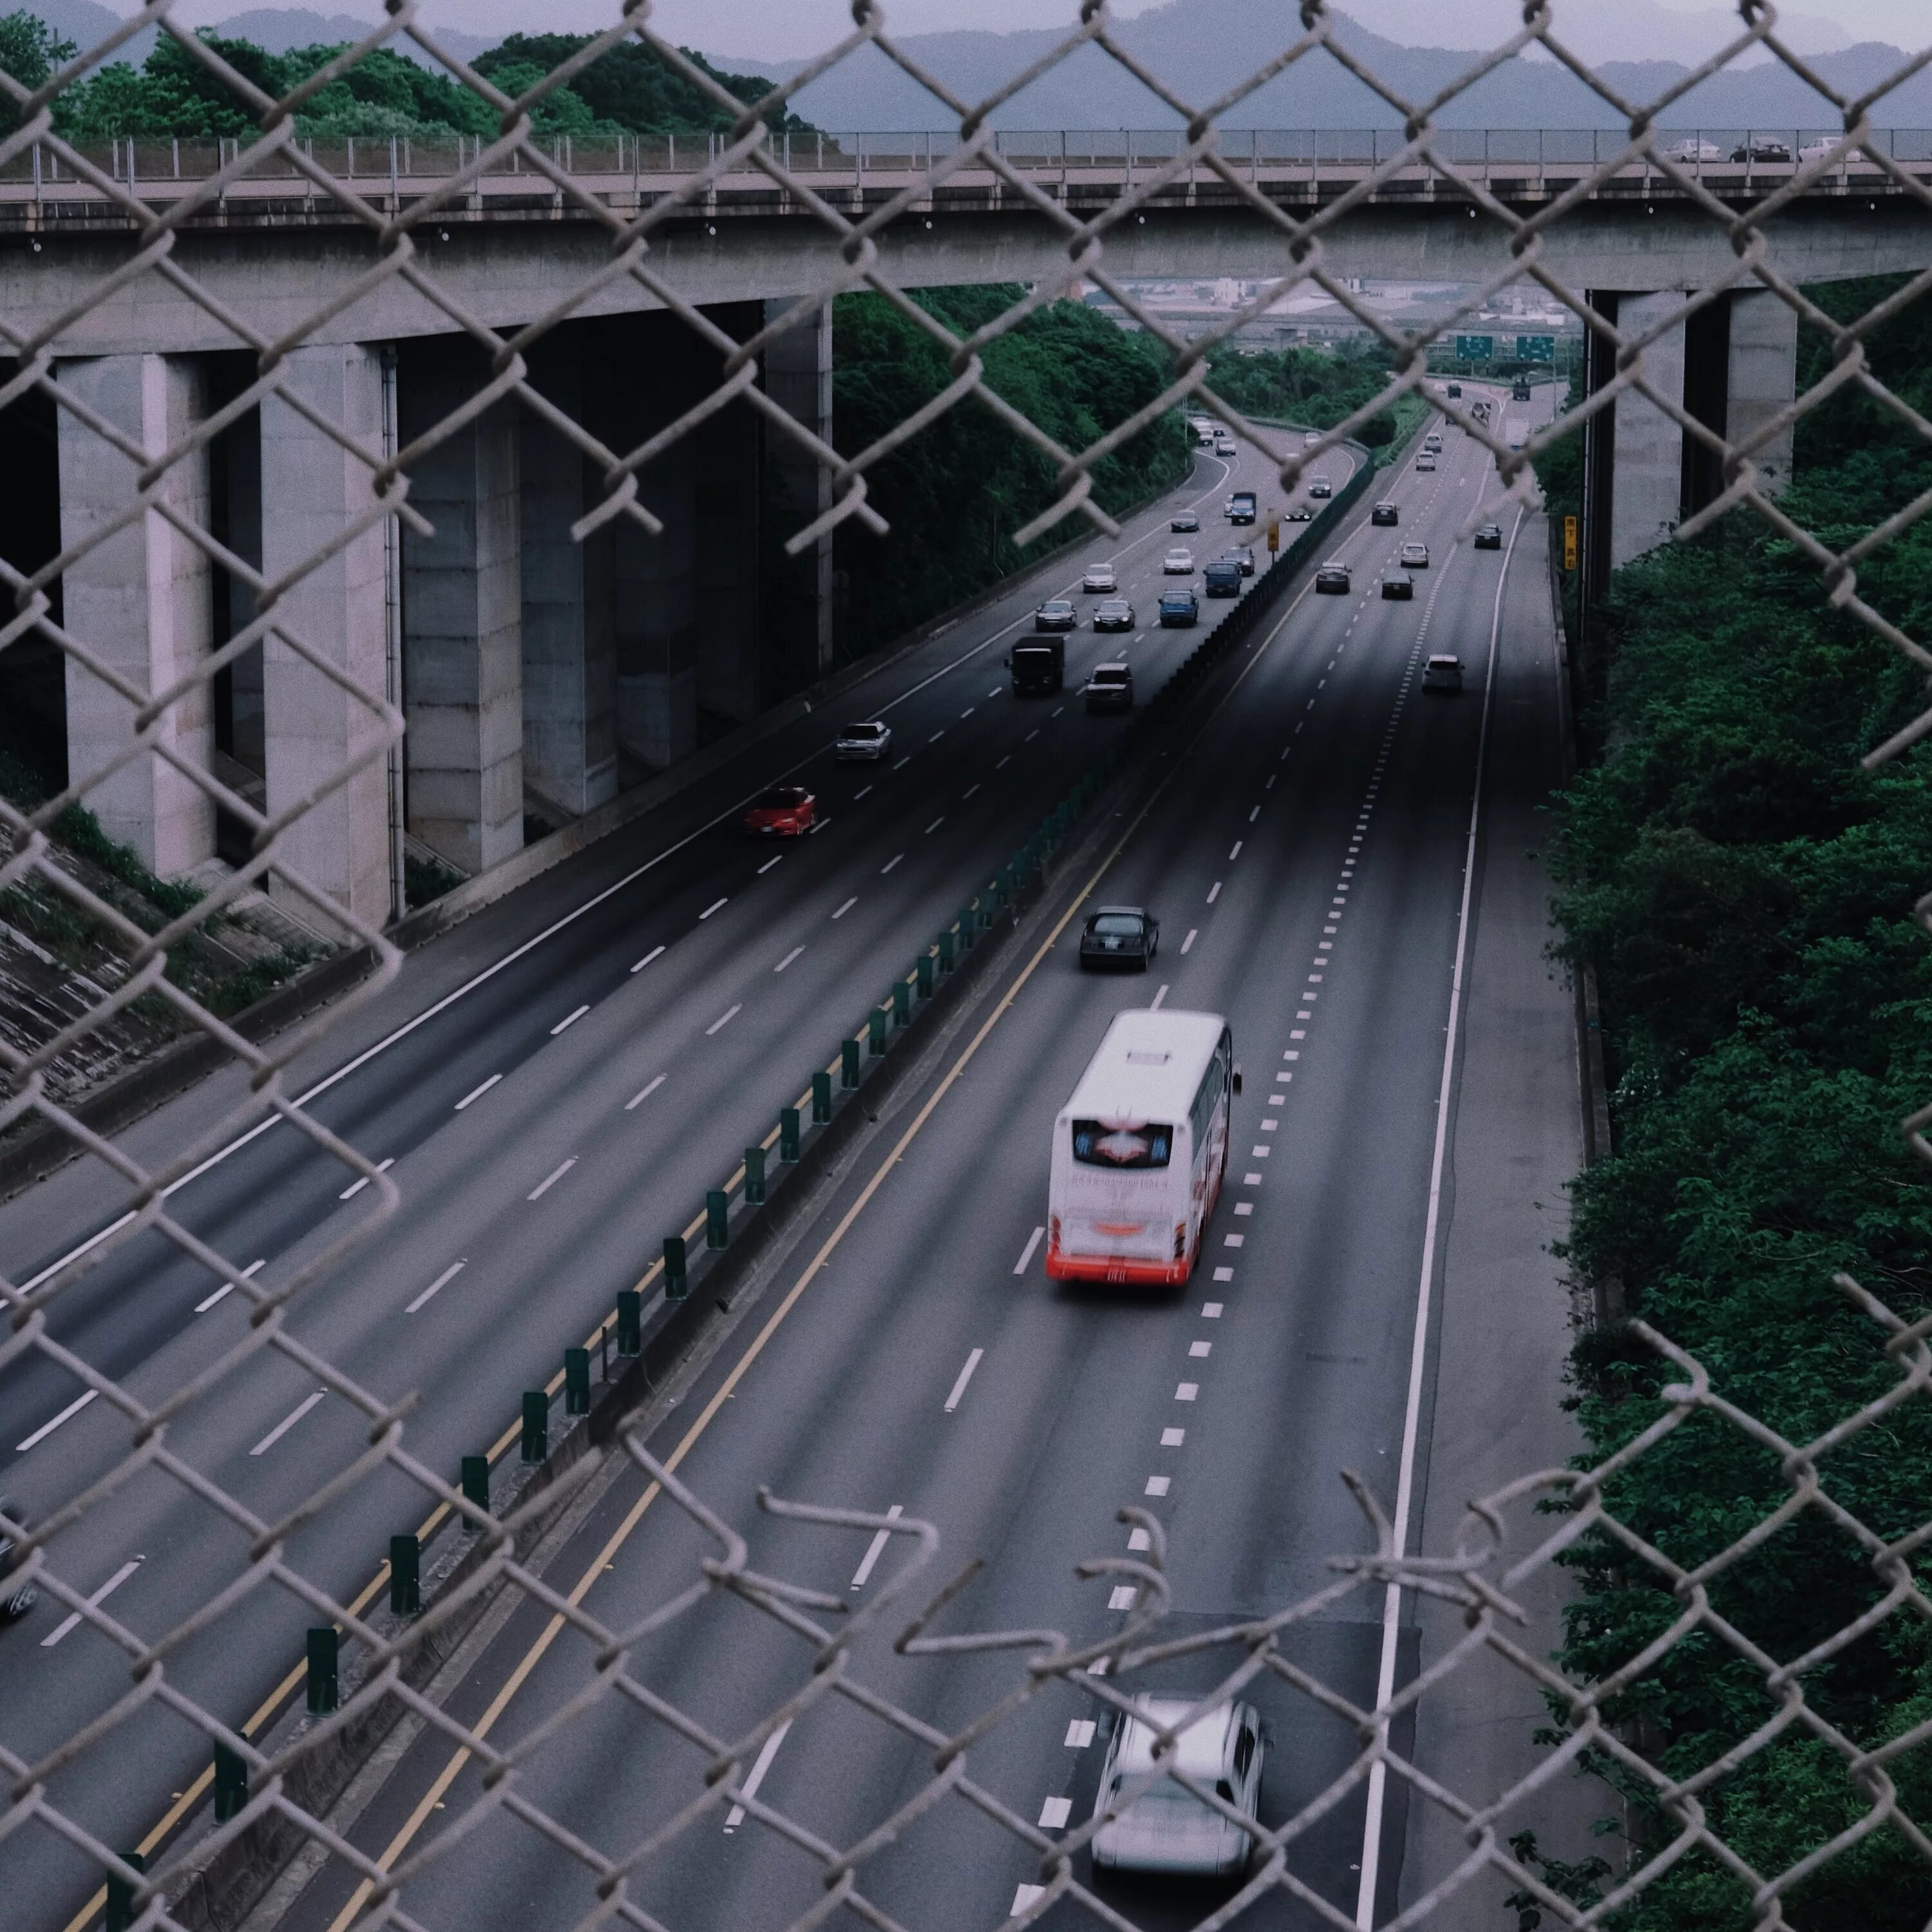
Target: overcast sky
x=790 y=29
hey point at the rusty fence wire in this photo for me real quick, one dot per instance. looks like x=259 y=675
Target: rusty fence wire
x=136 y=220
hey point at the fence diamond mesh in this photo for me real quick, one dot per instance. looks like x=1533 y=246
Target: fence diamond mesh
x=121 y=214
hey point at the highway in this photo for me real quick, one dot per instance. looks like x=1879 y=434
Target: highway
x=555 y=1083
x=1306 y=858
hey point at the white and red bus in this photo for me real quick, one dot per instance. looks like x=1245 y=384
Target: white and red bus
x=1139 y=1151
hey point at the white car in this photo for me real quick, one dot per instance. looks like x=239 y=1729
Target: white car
x=1425 y=460
x=1099 y=580
x=1167 y=1828
x=1224 y=445
x=869 y=741
x=1694 y=151
x=1442 y=673
x=1178 y=563
x=1415 y=557
x=1312 y=437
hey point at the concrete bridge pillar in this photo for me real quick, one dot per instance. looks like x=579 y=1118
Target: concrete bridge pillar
x=142 y=598
x=1646 y=503
x=312 y=489
x=462 y=614
x=729 y=454
x=798 y=378
x=1762 y=377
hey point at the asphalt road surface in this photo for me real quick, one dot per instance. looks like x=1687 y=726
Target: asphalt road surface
x=1306 y=860
x=556 y=1084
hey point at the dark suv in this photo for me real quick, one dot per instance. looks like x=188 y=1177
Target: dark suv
x=1385 y=513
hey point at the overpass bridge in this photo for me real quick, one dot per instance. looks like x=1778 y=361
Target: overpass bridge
x=539 y=671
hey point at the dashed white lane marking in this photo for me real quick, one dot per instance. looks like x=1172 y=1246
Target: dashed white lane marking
x=1254 y=814
x=1158 y=1485
x=935 y=825
x=1270 y=785
x=763 y=1763
x=1214 y=891
x=1056 y=711
x=1079 y=1733
x=655 y=952
x=935 y=738
x=288 y=1422
x=1227 y=1273
x=902 y=763
x=1256 y=1154
x=356 y=1187
x=968 y=712
x=860 y=793
x=1024 y=1895
x=477 y=1093
x=644 y=1092
x=715 y=906
x=1154 y=1004
x=1235 y=1241
x=568 y=1020
x=965 y=1376
x=1197 y=1350
x=227 y=1288
x=1027 y=1254
x=47 y=1428
x=442 y=1280
x=551 y=1180
x=1210 y=1311
x=1172 y=1438
x=887 y=867
x=1138 y=1539
x=875 y=1549
x=1030 y=735
x=1187 y=1391
x=788 y=959
x=1054 y=1813
x=1193 y=933
x=845 y=908
x=724 y=1020
x=1121 y=1597
x=1004 y=762
x=967 y=793
x=996 y=690
x=100 y=1596
x=770 y=863
x=1236 y=852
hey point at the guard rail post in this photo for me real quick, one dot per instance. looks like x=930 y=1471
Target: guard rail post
x=630 y=1322
x=406 y=1569
x=536 y=1443
x=576 y=1381
x=788 y=1127
x=677 y=1278
x=475 y=1480
x=848 y=1062
x=717 y=1214
x=325 y=1679
x=754 y=1177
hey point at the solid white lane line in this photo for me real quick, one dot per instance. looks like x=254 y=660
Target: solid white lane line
x=655 y=952
x=568 y=1020
x=356 y=1186
x=788 y=959
x=935 y=825
x=442 y=1280
x=227 y=1288
x=1154 y=1004
x=1027 y=1254
x=1214 y=891
x=1405 y=1490
x=774 y=859
x=477 y=1093
x=715 y=906
x=551 y=1180
x=724 y=1020
x=965 y=1375
x=643 y=1093
x=887 y=866
x=763 y=1763
x=100 y=1596
x=1193 y=933
x=47 y=1428
x=875 y=1549
x=288 y=1422
x=845 y=908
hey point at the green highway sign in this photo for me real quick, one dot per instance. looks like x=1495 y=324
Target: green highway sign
x=1475 y=348
x=1536 y=348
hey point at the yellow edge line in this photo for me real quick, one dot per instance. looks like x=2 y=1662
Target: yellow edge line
x=453 y=1768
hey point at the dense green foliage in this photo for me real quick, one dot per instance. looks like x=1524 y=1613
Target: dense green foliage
x=1315 y=386
x=1744 y=889
x=630 y=89
x=956 y=492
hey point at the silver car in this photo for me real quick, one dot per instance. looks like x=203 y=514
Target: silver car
x=1099 y=580
x=1166 y=1828
x=1178 y=562
x=872 y=740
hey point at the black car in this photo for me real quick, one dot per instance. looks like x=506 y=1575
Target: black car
x=1244 y=555
x=1455 y=388
x=1761 y=151
x=1489 y=537
x=1187 y=521
x=1179 y=610
x=1120 y=936
x=1332 y=580
x=16 y=1599
x=1113 y=614
x=1396 y=584
x=1057 y=613
x=1385 y=513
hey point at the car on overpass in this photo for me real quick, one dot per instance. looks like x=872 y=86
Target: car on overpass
x=1489 y=537
x=1099 y=580
x=1166 y=1829
x=1180 y=611
x=1119 y=935
x=1333 y=579
x=1057 y=613
x=1442 y=673
x=1693 y=150
x=866 y=743
x=1398 y=584
x=1113 y=614
x=1179 y=561
x=1760 y=151
x=1385 y=512
x=783 y=811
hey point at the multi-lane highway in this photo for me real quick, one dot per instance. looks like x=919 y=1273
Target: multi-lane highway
x=555 y=1084
x=1308 y=858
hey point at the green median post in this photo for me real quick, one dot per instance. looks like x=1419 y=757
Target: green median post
x=677 y=1279
x=754 y=1177
x=788 y=1126
x=325 y=1676
x=535 y=1445
x=848 y=1062
x=966 y=918
x=231 y=1784
x=901 y=1003
x=406 y=1574
x=947 y=954
x=576 y=1381
x=925 y=969
x=821 y=1098
x=120 y=1893
x=475 y=1480
x=717 y=1217
x=630 y=1322
x=875 y=1026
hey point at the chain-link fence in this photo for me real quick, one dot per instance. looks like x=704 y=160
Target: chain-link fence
x=316 y=858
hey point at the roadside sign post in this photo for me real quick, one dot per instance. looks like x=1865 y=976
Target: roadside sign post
x=1274 y=534
x=1569 y=543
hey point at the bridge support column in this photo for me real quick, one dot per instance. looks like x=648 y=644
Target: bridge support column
x=1762 y=372
x=143 y=599
x=312 y=490
x=798 y=378
x=462 y=616
x=729 y=455
x=1647 y=493
x=570 y=688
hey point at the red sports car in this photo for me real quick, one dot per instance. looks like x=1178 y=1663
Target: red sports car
x=785 y=812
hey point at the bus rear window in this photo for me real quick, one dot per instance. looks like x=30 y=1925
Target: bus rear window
x=1114 y=1143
